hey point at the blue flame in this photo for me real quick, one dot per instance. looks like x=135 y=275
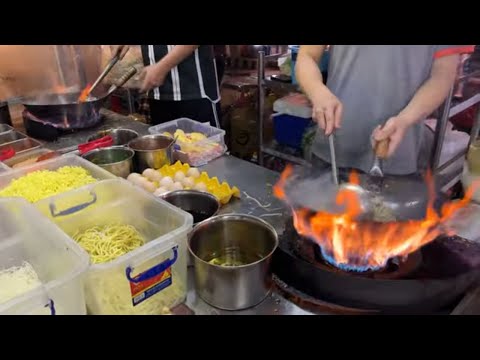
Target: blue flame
x=355 y=264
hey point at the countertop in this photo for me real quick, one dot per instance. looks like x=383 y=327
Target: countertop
x=255 y=184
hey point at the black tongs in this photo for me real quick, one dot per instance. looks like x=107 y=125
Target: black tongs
x=107 y=69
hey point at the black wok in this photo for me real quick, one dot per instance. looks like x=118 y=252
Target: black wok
x=440 y=281
x=58 y=107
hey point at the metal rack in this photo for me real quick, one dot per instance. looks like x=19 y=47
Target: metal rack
x=448 y=111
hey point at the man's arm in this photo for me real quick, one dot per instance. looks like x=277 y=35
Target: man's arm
x=434 y=91
x=307 y=71
x=425 y=101
x=154 y=75
x=176 y=56
x=327 y=109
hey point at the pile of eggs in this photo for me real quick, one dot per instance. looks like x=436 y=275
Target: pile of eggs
x=152 y=181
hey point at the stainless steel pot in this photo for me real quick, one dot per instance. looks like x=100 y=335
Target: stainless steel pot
x=201 y=205
x=247 y=244
x=120 y=136
x=151 y=151
x=115 y=159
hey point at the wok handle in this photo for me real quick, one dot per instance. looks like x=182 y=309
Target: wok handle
x=381 y=148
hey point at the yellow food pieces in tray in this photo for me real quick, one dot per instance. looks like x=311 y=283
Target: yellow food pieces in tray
x=222 y=191
x=41 y=184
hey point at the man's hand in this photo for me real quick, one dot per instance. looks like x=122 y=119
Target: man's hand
x=327 y=110
x=153 y=76
x=393 y=130
x=120 y=49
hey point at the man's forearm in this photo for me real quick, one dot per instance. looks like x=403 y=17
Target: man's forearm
x=432 y=93
x=176 y=56
x=309 y=75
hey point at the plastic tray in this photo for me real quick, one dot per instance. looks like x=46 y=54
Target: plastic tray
x=25 y=156
x=206 y=150
x=26 y=235
x=54 y=164
x=163 y=226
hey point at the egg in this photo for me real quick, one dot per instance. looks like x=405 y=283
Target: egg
x=149 y=186
x=157 y=176
x=200 y=186
x=176 y=186
x=149 y=174
x=193 y=172
x=166 y=182
x=160 y=191
x=188 y=182
x=179 y=176
x=139 y=180
x=133 y=176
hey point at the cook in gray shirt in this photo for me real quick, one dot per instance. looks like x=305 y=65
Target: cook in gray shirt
x=397 y=86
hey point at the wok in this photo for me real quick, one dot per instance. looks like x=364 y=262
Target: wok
x=406 y=197
x=57 y=107
x=441 y=280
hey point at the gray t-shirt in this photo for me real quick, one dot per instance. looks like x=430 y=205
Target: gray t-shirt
x=374 y=83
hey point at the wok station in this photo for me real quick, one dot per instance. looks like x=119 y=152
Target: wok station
x=282 y=250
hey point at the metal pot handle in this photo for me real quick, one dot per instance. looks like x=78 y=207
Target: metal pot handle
x=73 y=209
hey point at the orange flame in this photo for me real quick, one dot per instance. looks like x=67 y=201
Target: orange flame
x=360 y=245
x=84 y=94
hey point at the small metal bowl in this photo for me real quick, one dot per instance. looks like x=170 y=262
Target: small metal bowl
x=120 y=136
x=200 y=205
x=115 y=159
x=152 y=151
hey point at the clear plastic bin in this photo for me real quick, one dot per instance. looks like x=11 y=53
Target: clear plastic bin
x=54 y=164
x=109 y=290
x=198 y=153
x=60 y=263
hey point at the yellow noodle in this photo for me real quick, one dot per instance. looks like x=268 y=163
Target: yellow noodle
x=107 y=243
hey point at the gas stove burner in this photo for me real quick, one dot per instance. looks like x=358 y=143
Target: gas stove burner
x=394 y=269
x=50 y=129
x=419 y=283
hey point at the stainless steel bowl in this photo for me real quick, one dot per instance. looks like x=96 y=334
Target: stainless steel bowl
x=200 y=205
x=115 y=159
x=151 y=151
x=247 y=243
x=120 y=136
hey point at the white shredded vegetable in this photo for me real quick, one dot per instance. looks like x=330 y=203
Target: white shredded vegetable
x=17 y=280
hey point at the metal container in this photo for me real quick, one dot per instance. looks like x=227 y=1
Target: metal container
x=5 y=128
x=22 y=145
x=151 y=151
x=115 y=159
x=199 y=204
x=120 y=136
x=11 y=136
x=247 y=243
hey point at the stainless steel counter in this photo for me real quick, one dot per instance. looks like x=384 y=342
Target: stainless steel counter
x=255 y=184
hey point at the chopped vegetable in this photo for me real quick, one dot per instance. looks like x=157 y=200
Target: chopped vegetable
x=17 y=280
x=41 y=184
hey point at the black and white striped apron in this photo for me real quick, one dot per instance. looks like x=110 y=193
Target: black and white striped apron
x=194 y=78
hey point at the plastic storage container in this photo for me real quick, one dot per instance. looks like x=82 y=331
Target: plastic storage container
x=196 y=153
x=145 y=281
x=289 y=130
x=54 y=164
x=26 y=235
